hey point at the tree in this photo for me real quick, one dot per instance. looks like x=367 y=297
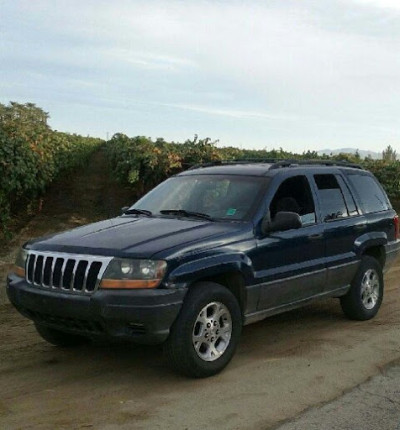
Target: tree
x=389 y=154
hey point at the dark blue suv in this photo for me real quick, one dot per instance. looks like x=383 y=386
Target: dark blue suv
x=209 y=250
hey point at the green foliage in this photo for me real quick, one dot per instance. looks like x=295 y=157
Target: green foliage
x=389 y=154
x=388 y=174
x=32 y=155
x=143 y=163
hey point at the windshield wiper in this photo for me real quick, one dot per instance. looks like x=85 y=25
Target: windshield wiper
x=138 y=211
x=186 y=213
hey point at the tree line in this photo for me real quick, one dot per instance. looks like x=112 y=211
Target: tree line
x=143 y=163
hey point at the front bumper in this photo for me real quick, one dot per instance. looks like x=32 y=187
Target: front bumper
x=143 y=316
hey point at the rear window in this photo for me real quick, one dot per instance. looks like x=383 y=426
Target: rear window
x=372 y=197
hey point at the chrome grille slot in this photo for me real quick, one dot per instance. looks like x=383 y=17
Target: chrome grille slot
x=37 y=274
x=47 y=271
x=31 y=266
x=69 y=273
x=92 y=274
x=56 y=283
x=80 y=275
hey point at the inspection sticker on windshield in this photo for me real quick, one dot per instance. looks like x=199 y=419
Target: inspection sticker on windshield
x=231 y=211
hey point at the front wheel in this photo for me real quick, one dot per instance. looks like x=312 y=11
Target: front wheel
x=204 y=337
x=364 y=298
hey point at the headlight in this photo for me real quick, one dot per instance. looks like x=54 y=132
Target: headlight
x=19 y=267
x=127 y=273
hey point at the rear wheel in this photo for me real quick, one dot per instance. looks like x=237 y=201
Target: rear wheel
x=364 y=298
x=59 y=338
x=204 y=337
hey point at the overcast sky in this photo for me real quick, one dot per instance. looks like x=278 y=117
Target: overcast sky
x=297 y=74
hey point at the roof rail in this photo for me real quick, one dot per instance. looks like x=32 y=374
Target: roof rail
x=277 y=163
x=233 y=162
x=295 y=163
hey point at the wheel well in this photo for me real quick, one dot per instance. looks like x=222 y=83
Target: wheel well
x=378 y=252
x=234 y=282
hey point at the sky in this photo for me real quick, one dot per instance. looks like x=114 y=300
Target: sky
x=253 y=74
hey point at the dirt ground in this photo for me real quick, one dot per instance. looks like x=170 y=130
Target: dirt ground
x=283 y=366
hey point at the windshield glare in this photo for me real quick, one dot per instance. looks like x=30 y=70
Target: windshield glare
x=220 y=197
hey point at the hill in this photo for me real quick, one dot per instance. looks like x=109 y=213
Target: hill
x=363 y=153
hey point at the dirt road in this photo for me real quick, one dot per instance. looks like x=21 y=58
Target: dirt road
x=284 y=365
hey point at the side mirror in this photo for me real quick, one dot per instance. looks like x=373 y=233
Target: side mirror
x=282 y=221
x=124 y=209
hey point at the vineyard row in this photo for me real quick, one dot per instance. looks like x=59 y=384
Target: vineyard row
x=144 y=163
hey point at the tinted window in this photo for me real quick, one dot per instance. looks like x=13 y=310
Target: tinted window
x=331 y=198
x=372 y=197
x=294 y=195
x=351 y=206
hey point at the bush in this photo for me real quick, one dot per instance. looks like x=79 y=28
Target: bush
x=32 y=155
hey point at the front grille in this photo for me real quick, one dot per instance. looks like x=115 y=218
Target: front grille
x=71 y=273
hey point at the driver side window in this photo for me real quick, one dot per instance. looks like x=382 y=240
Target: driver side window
x=294 y=195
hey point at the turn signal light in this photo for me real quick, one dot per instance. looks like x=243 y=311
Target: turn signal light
x=19 y=271
x=129 y=283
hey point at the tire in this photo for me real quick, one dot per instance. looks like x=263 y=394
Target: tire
x=59 y=338
x=364 y=298
x=200 y=345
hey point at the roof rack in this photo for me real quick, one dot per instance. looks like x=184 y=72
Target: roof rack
x=233 y=162
x=296 y=163
x=277 y=163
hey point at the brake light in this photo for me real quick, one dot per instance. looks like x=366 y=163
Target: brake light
x=396 y=227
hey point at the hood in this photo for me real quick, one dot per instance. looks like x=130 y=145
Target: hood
x=140 y=237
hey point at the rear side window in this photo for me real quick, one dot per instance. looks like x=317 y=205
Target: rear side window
x=351 y=206
x=331 y=197
x=371 y=195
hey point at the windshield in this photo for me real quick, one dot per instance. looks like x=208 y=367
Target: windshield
x=216 y=196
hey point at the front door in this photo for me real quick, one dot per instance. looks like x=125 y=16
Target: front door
x=290 y=264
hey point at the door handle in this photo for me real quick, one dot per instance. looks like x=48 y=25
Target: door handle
x=360 y=226
x=316 y=236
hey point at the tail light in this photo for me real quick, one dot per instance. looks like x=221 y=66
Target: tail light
x=396 y=227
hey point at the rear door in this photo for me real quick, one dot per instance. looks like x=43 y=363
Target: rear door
x=343 y=223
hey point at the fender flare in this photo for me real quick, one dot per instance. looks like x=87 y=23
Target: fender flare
x=369 y=240
x=207 y=267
